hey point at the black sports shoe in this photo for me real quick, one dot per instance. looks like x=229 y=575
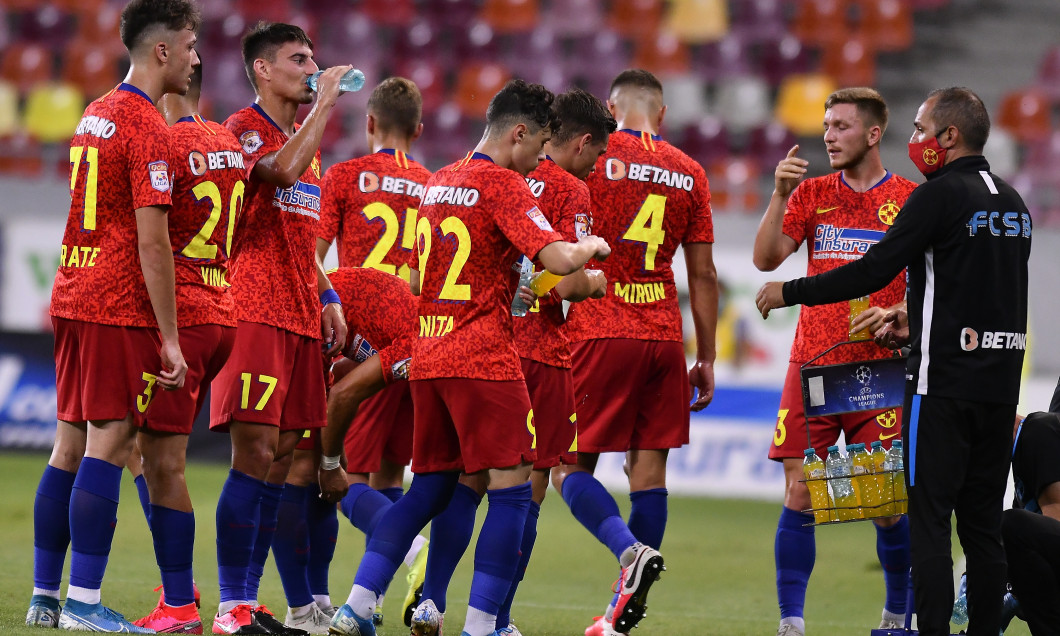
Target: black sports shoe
x=269 y=622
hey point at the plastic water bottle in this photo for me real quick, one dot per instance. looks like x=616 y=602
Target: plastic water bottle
x=897 y=468
x=960 y=605
x=526 y=273
x=884 y=503
x=813 y=470
x=838 y=469
x=864 y=482
x=352 y=81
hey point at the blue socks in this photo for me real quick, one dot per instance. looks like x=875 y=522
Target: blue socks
x=93 y=515
x=364 y=507
x=426 y=498
x=51 y=527
x=290 y=545
x=267 y=513
x=892 y=546
x=393 y=494
x=497 y=551
x=795 y=551
x=450 y=535
x=593 y=506
x=647 y=517
x=322 y=522
x=237 y=527
x=145 y=497
x=173 y=533
x=504 y=617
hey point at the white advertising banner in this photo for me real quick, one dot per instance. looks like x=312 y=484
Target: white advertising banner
x=30 y=257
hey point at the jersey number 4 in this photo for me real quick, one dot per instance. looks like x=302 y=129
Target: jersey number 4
x=647 y=228
x=374 y=260
x=450 y=226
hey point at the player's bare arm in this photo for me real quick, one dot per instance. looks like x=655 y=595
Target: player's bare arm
x=703 y=296
x=582 y=284
x=772 y=246
x=156 y=262
x=322 y=249
x=414 y=281
x=562 y=258
x=343 y=401
x=286 y=165
x=332 y=322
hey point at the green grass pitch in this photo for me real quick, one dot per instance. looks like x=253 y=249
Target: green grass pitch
x=719 y=559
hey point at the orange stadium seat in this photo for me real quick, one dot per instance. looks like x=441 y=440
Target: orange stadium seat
x=574 y=18
x=25 y=64
x=390 y=13
x=734 y=185
x=662 y=54
x=821 y=22
x=887 y=24
x=1049 y=73
x=636 y=17
x=476 y=84
x=53 y=110
x=8 y=109
x=850 y=63
x=698 y=21
x=102 y=27
x=1025 y=114
x=800 y=102
x=510 y=16
x=91 y=68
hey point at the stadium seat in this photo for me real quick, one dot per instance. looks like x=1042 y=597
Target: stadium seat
x=768 y=144
x=821 y=22
x=537 y=57
x=597 y=60
x=8 y=109
x=759 y=20
x=47 y=25
x=53 y=110
x=686 y=100
x=734 y=186
x=341 y=28
x=635 y=18
x=573 y=18
x=25 y=64
x=743 y=102
x=697 y=21
x=390 y=13
x=510 y=16
x=662 y=54
x=20 y=155
x=887 y=24
x=93 y=69
x=449 y=15
x=418 y=40
x=1025 y=114
x=1004 y=153
x=783 y=57
x=82 y=7
x=706 y=141
x=475 y=42
x=429 y=76
x=103 y=27
x=850 y=63
x=225 y=80
x=728 y=57
x=1049 y=73
x=800 y=102
x=476 y=84
x=271 y=11
x=446 y=136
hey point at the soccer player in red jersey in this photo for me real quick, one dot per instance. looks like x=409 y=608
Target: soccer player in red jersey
x=272 y=387
x=629 y=363
x=472 y=410
x=369 y=209
x=838 y=216
x=113 y=311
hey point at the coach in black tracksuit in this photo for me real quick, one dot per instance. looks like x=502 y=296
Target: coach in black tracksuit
x=965 y=236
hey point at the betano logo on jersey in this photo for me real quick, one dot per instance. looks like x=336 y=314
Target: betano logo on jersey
x=370 y=182
x=1000 y=223
x=888 y=211
x=846 y=243
x=442 y=195
x=216 y=160
x=970 y=340
x=301 y=198
x=616 y=170
x=96 y=126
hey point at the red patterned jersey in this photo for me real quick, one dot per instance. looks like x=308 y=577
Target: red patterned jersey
x=381 y=316
x=476 y=219
x=273 y=269
x=564 y=199
x=370 y=206
x=119 y=162
x=208 y=188
x=648 y=198
x=839 y=225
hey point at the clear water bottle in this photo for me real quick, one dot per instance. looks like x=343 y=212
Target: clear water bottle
x=960 y=605
x=839 y=469
x=897 y=466
x=814 y=471
x=526 y=273
x=352 y=81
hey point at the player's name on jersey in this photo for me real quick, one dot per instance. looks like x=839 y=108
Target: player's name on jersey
x=370 y=182
x=537 y=188
x=440 y=195
x=96 y=126
x=640 y=293
x=435 y=326
x=301 y=198
x=214 y=160
x=213 y=276
x=617 y=170
x=78 y=256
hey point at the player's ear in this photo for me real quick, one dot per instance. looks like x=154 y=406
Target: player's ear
x=419 y=131
x=659 y=121
x=370 y=124
x=519 y=132
x=261 y=68
x=875 y=135
x=584 y=141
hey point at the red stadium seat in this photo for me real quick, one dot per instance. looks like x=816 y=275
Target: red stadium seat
x=759 y=20
x=8 y=109
x=476 y=84
x=821 y=22
x=21 y=156
x=636 y=17
x=768 y=144
x=81 y=7
x=1049 y=73
x=510 y=16
x=887 y=24
x=1025 y=114
x=92 y=69
x=734 y=186
x=271 y=11
x=429 y=77
x=25 y=64
x=662 y=54
x=390 y=13
x=573 y=18
x=783 y=57
x=706 y=141
x=102 y=27
x=476 y=42
x=850 y=63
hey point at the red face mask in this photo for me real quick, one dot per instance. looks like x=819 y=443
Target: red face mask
x=928 y=155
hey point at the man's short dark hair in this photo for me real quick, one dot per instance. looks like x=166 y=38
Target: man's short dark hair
x=868 y=101
x=262 y=42
x=519 y=102
x=140 y=16
x=637 y=78
x=579 y=113
x=397 y=105
x=960 y=107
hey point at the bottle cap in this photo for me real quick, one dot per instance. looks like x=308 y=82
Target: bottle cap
x=833 y=449
x=896 y=443
x=877 y=444
x=808 y=452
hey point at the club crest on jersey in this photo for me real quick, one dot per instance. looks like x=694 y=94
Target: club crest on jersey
x=400 y=369
x=159 y=171
x=539 y=219
x=888 y=211
x=251 y=141
x=197 y=163
x=615 y=169
x=368 y=182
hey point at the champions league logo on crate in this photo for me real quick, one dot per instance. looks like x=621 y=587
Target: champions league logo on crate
x=855 y=386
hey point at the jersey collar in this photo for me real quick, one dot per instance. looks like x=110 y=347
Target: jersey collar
x=886 y=177
x=261 y=111
x=400 y=157
x=136 y=91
